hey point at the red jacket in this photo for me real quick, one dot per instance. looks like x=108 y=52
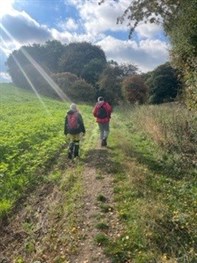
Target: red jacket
x=108 y=109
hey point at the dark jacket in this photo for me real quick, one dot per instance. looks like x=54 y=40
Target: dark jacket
x=108 y=109
x=81 y=127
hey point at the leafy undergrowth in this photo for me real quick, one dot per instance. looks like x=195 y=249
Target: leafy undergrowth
x=31 y=138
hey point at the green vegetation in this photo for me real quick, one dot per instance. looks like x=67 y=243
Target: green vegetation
x=80 y=71
x=101 y=198
x=163 y=84
x=155 y=185
x=101 y=239
x=151 y=158
x=31 y=138
x=102 y=226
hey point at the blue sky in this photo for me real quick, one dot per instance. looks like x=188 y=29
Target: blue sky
x=24 y=22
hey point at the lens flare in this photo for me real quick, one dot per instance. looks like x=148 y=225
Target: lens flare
x=40 y=70
x=31 y=84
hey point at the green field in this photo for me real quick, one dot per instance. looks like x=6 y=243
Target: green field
x=31 y=135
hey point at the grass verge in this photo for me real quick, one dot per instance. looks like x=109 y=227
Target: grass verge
x=156 y=204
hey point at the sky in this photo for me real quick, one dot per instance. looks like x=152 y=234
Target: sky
x=25 y=22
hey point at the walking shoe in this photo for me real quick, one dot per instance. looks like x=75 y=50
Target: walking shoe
x=104 y=142
x=69 y=155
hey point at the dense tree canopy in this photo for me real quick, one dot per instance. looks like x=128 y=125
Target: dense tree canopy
x=79 y=57
x=163 y=84
x=85 y=60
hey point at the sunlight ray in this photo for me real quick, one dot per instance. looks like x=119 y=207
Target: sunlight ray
x=40 y=70
x=31 y=84
x=29 y=81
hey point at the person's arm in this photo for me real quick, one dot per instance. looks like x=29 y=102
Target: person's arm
x=109 y=109
x=65 y=126
x=95 y=111
x=82 y=126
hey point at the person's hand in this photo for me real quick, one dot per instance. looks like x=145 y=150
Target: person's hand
x=82 y=134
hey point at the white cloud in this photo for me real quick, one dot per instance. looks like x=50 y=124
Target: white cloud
x=70 y=25
x=99 y=18
x=5 y=77
x=20 y=27
x=68 y=37
x=147 y=54
x=148 y=30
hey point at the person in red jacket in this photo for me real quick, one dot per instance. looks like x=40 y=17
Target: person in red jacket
x=102 y=111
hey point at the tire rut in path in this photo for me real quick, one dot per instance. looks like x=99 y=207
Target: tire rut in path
x=95 y=185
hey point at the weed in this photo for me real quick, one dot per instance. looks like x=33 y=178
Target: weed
x=20 y=260
x=101 y=239
x=105 y=208
x=102 y=226
x=101 y=198
x=30 y=246
x=99 y=177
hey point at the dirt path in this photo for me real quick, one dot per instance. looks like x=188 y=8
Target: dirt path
x=98 y=209
x=39 y=230
x=89 y=251
x=98 y=187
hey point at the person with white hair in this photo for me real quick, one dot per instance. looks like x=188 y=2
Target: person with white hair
x=102 y=111
x=73 y=127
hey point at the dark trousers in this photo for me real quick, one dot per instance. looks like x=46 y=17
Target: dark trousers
x=73 y=150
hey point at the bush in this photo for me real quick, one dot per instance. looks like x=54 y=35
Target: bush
x=75 y=88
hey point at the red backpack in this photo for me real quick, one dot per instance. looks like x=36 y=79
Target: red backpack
x=73 y=121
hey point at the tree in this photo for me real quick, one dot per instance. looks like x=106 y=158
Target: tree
x=110 y=84
x=82 y=91
x=127 y=69
x=76 y=89
x=163 y=84
x=52 y=52
x=77 y=56
x=81 y=59
x=179 y=20
x=134 y=89
x=92 y=70
x=184 y=52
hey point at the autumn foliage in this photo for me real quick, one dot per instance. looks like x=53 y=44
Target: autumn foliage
x=134 y=89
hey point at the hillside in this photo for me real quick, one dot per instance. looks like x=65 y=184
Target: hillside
x=134 y=201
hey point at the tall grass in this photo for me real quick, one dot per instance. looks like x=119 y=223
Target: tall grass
x=173 y=128
x=155 y=187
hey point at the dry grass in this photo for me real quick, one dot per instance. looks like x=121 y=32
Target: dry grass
x=173 y=128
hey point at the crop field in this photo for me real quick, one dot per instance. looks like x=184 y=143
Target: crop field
x=31 y=134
